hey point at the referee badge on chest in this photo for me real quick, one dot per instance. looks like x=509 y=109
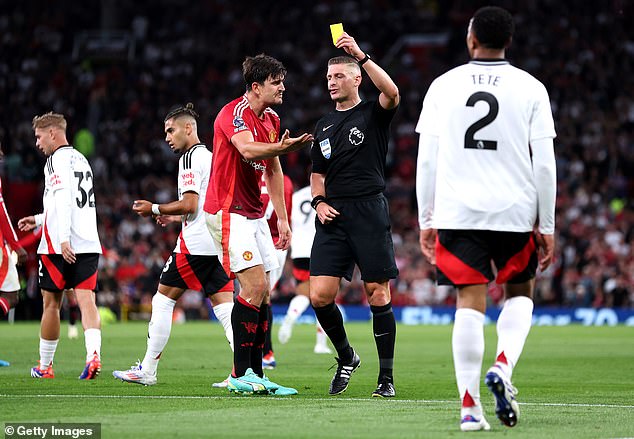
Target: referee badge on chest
x=325 y=148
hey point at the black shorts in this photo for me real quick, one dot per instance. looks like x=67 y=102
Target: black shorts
x=195 y=272
x=56 y=275
x=463 y=257
x=361 y=234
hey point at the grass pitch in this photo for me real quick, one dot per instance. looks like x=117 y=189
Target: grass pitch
x=574 y=381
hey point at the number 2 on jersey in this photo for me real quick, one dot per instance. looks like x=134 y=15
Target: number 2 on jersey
x=470 y=141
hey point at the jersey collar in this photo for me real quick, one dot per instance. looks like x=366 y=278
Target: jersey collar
x=489 y=61
x=62 y=147
x=348 y=109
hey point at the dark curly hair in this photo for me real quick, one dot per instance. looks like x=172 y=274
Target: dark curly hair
x=259 y=68
x=493 y=27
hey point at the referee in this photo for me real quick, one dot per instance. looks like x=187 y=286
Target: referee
x=353 y=226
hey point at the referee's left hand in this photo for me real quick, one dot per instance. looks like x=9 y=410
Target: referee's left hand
x=326 y=213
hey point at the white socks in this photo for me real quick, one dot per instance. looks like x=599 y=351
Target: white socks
x=296 y=307
x=223 y=314
x=158 y=331
x=92 y=339
x=47 y=352
x=322 y=338
x=468 y=349
x=513 y=327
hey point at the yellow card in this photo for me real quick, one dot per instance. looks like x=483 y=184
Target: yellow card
x=336 y=30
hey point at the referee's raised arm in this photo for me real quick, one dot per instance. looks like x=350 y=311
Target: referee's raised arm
x=389 y=97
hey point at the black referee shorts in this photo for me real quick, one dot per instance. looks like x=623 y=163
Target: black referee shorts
x=362 y=234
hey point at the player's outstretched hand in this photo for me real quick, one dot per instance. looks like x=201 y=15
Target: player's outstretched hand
x=326 y=213
x=350 y=46
x=546 y=249
x=27 y=223
x=427 y=240
x=142 y=207
x=290 y=144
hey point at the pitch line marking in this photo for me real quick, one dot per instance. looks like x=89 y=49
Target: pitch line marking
x=334 y=399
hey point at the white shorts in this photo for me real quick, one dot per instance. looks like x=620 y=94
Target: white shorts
x=9 y=281
x=245 y=242
x=276 y=274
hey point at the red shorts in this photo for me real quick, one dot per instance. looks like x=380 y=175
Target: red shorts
x=463 y=257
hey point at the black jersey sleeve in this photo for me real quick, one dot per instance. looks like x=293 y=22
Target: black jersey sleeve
x=382 y=115
x=320 y=164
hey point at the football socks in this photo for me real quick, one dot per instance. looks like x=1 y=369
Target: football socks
x=467 y=343
x=384 y=327
x=158 y=332
x=331 y=320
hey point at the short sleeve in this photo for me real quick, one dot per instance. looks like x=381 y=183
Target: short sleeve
x=231 y=124
x=317 y=151
x=190 y=174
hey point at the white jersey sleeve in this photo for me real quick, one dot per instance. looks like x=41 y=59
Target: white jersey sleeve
x=302 y=224
x=194 y=168
x=484 y=115
x=70 y=212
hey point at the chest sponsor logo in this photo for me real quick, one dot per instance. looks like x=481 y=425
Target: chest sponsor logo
x=239 y=124
x=272 y=136
x=256 y=165
x=355 y=137
x=324 y=145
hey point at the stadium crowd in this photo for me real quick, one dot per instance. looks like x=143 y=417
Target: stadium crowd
x=116 y=90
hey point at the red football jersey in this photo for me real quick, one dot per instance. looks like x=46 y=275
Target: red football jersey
x=6 y=229
x=234 y=184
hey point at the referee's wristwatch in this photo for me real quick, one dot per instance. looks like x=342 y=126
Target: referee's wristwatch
x=318 y=199
x=364 y=60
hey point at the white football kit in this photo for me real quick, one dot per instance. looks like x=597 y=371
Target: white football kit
x=302 y=224
x=476 y=126
x=194 y=167
x=69 y=204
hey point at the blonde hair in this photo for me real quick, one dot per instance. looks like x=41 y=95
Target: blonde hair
x=348 y=60
x=50 y=119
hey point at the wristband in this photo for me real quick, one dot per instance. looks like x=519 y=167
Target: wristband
x=155 y=209
x=318 y=199
x=364 y=59
x=39 y=219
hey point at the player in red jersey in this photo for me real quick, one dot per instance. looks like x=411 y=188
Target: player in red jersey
x=246 y=146
x=9 y=283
